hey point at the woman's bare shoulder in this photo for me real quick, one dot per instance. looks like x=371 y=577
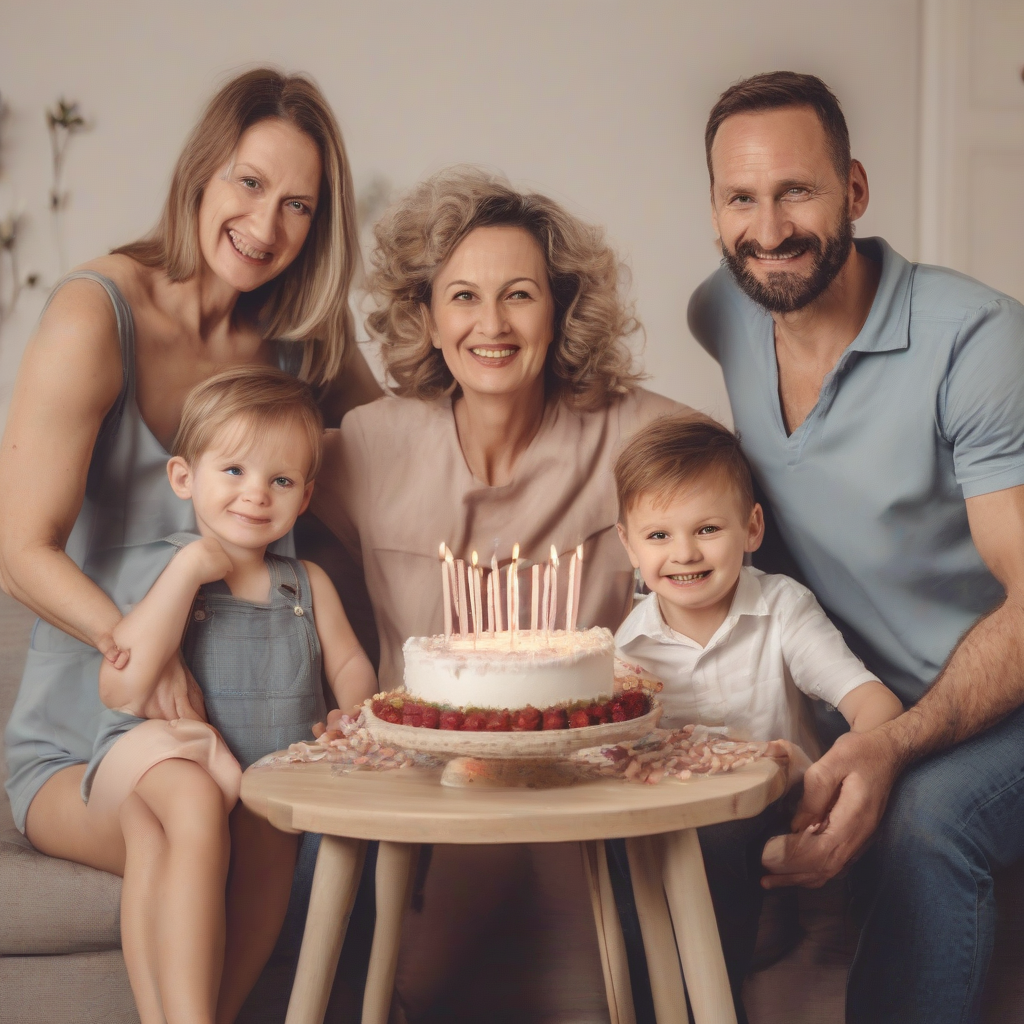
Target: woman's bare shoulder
x=134 y=280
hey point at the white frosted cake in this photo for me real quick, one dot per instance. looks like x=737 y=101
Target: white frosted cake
x=541 y=669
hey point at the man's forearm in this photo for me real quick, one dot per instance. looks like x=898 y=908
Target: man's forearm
x=982 y=682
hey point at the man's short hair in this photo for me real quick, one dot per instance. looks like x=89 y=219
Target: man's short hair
x=673 y=452
x=263 y=396
x=775 y=90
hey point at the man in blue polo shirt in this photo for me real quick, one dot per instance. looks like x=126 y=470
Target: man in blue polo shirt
x=881 y=404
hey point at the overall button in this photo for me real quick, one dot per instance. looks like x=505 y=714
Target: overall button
x=298 y=610
x=199 y=615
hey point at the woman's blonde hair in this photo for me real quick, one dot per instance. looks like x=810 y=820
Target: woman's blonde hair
x=307 y=302
x=262 y=396
x=588 y=363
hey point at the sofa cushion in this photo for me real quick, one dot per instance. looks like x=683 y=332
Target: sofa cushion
x=85 y=988
x=50 y=906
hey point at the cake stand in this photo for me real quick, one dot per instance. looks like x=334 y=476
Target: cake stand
x=499 y=759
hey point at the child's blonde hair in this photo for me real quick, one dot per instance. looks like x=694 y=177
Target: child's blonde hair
x=674 y=451
x=261 y=395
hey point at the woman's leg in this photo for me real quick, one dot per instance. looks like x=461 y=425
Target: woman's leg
x=259 y=884
x=59 y=824
x=145 y=866
x=188 y=893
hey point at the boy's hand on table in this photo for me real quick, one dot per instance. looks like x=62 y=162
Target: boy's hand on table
x=791 y=758
x=845 y=794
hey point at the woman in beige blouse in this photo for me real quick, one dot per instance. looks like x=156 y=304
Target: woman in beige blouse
x=501 y=325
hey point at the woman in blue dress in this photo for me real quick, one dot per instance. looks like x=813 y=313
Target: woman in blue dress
x=250 y=264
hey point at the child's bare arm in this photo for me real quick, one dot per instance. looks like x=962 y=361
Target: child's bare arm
x=150 y=633
x=868 y=705
x=349 y=672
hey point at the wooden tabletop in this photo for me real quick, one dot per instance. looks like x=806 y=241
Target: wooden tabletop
x=409 y=805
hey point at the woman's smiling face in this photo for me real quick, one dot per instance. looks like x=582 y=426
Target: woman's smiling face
x=257 y=209
x=492 y=312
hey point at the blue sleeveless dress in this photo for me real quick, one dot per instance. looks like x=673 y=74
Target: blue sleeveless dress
x=119 y=542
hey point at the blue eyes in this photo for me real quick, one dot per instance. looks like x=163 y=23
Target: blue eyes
x=278 y=481
x=706 y=530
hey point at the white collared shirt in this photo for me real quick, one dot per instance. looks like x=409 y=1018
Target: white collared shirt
x=775 y=642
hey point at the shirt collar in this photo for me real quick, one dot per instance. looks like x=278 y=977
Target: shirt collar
x=887 y=328
x=648 y=621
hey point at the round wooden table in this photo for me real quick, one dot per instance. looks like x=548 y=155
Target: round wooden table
x=407 y=807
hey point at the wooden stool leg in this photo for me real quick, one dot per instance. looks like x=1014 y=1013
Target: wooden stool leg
x=339 y=863
x=609 y=934
x=700 y=949
x=396 y=863
x=667 y=989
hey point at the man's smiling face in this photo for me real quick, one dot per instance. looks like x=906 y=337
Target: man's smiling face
x=782 y=211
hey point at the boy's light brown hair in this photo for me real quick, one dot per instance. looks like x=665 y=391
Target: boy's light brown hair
x=675 y=451
x=262 y=396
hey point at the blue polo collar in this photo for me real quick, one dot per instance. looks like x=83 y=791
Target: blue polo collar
x=887 y=327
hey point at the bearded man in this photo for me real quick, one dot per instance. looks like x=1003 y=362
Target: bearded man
x=881 y=404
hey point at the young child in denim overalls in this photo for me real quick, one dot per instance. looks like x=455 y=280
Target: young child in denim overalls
x=254 y=628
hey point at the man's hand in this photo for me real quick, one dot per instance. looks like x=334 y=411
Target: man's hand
x=845 y=794
x=176 y=695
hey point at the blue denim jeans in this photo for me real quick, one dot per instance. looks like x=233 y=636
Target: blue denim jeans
x=925 y=886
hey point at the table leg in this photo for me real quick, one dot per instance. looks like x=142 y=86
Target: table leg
x=645 y=869
x=396 y=863
x=339 y=864
x=609 y=934
x=700 y=949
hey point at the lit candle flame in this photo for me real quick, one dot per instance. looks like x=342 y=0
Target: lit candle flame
x=515 y=551
x=441 y=550
x=579 y=552
x=448 y=557
x=475 y=559
x=554 y=555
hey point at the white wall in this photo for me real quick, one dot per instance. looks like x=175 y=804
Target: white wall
x=599 y=103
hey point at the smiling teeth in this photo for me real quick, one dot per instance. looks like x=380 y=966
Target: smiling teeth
x=492 y=353
x=245 y=249
x=687 y=577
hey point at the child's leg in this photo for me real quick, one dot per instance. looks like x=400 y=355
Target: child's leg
x=259 y=884
x=145 y=865
x=189 y=892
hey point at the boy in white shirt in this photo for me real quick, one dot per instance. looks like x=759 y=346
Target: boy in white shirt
x=734 y=647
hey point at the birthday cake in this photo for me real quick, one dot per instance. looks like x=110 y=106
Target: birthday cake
x=509 y=679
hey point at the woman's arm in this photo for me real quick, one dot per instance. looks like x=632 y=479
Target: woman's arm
x=349 y=672
x=69 y=378
x=149 y=636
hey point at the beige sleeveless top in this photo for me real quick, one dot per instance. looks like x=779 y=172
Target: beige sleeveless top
x=395 y=484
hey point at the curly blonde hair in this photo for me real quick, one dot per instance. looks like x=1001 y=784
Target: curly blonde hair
x=588 y=363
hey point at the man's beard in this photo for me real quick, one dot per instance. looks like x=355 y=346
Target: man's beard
x=782 y=291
